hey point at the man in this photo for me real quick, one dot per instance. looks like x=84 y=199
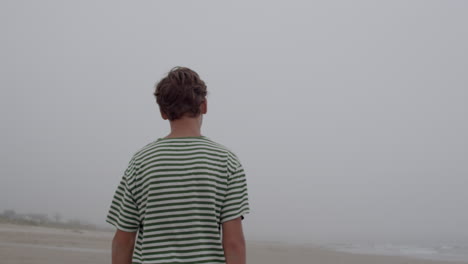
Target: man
x=178 y=192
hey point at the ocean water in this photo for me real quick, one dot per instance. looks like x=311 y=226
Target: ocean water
x=433 y=251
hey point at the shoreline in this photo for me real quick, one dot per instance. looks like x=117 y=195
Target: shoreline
x=22 y=244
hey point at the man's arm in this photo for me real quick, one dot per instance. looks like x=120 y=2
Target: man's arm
x=234 y=242
x=122 y=247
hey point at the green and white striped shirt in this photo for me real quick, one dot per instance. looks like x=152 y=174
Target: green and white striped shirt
x=176 y=192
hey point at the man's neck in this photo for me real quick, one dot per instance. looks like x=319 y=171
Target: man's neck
x=185 y=127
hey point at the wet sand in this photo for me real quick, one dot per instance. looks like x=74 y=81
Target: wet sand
x=41 y=245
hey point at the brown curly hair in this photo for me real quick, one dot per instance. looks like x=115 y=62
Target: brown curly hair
x=181 y=92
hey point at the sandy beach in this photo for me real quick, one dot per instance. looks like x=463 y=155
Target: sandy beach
x=20 y=244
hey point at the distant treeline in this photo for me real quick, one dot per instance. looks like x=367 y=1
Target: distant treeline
x=10 y=216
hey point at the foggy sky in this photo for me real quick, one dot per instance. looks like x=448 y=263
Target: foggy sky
x=350 y=117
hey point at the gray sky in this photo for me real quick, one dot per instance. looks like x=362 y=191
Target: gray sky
x=350 y=117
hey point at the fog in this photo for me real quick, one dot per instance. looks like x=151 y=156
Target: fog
x=349 y=117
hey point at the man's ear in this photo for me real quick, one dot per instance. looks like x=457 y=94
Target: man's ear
x=163 y=115
x=204 y=107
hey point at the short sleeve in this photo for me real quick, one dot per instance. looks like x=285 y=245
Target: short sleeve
x=236 y=201
x=123 y=212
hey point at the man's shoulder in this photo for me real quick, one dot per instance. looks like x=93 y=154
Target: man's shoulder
x=218 y=145
x=228 y=150
x=231 y=156
x=142 y=151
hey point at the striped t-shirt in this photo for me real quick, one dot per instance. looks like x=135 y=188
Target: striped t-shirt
x=176 y=192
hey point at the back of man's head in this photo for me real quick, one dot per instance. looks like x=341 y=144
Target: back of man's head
x=180 y=93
